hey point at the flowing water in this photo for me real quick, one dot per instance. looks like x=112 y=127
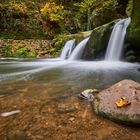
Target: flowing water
x=68 y=48
x=83 y=73
x=116 y=42
x=78 y=51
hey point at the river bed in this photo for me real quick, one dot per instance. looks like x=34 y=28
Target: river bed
x=46 y=93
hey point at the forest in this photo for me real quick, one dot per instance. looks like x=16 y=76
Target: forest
x=53 y=20
x=42 y=19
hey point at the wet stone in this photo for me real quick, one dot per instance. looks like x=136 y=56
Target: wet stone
x=17 y=135
x=105 y=102
x=65 y=108
x=71 y=119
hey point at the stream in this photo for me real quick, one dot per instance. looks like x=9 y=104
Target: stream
x=46 y=92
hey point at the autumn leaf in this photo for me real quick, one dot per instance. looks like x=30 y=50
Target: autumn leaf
x=122 y=102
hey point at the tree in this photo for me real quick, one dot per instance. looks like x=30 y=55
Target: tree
x=85 y=7
x=52 y=11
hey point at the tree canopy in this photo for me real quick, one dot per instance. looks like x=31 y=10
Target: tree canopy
x=46 y=19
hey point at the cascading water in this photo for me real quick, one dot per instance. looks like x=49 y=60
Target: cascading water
x=68 y=48
x=115 y=45
x=73 y=72
x=77 y=53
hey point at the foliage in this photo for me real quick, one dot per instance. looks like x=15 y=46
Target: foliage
x=16 y=51
x=122 y=102
x=129 y=7
x=105 y=12
x=17 y=8
x=52 y=11
x=19 y=20
x=98 y=12
x=85 y=5
x=48 y=19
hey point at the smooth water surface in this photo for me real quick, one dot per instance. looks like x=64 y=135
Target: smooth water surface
x=86 y=74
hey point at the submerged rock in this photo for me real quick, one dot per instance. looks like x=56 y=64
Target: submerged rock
x=105 y=102
x=63 y=108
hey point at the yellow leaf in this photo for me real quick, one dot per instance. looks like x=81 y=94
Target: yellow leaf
x=122 y=103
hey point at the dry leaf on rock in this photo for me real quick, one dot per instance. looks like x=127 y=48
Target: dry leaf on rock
x=122 y=102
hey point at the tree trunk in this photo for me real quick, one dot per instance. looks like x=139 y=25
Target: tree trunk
x=88 y=20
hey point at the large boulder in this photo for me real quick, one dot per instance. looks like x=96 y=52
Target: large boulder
x=105 y=102
x=98 y=41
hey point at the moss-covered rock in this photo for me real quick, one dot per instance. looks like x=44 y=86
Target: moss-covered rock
x=98 y=41
x=134 y=30
x=59 y=42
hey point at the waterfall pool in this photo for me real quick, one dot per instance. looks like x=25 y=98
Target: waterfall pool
x=45 y=91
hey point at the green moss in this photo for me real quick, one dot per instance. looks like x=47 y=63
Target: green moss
x=59 y=42
x=19 y=52
x=129 y=8
x=134 y=28
x=98 y=40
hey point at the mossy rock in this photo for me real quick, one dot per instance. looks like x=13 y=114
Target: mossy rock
x=98 y=41
x=59 y=42
x=134 y=30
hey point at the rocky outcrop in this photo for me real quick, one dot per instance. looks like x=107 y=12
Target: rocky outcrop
x=60 y=40
x=105 y=102
x=134 y=30
x=98 y=41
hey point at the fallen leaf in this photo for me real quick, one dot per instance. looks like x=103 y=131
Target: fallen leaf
x=122 y=102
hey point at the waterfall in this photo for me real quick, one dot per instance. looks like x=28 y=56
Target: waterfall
x=78 y=51
x=68 y=48
x=115 y=45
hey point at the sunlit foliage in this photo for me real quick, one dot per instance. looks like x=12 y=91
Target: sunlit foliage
x=49 y=18
x=52 y=11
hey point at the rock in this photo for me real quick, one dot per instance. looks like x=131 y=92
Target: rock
x=17 y=135
x=98 y=41
x=135 y=24
x=134 y=30
x=131 y=58
x=71 y=119
x=105 y=102
x=65 y=108
x=88 y=94
x=60 y=40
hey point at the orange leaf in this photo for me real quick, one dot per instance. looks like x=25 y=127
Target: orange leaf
x=122 y=103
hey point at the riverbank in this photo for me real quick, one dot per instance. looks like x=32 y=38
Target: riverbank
x=26 y=48
x=32 y=48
